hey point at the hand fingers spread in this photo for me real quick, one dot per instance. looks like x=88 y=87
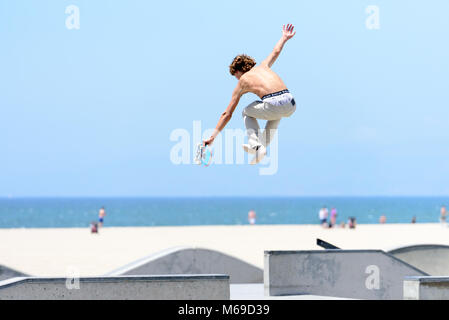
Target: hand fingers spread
x=289 y=28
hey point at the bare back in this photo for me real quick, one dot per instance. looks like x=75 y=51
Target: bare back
x=261 y=80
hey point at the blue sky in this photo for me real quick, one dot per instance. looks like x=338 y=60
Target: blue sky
x=89 y=112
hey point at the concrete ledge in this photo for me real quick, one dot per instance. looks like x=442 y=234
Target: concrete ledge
x=426 y=288
x=162 y=287
x=358 y=274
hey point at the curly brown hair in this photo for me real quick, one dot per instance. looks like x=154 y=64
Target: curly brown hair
x=242 y=63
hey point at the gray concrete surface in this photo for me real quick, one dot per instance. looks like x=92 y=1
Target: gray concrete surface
x=358 y=274
x=430 y=258
x=171 y=287
x=255 y=291
x=7 y=273
x=426 y=288
x=191 y=260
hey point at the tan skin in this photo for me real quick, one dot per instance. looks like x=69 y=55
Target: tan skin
x=260 y=80
x=101 y=214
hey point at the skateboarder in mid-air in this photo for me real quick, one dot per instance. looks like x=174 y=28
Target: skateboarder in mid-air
x=277 y=102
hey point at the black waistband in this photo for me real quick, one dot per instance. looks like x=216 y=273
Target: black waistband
x=274 y=94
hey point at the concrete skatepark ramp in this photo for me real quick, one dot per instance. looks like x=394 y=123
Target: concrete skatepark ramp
x=430 y=258
x=359 y=274
x=172 y=287
x=7 y=273
x=190 y=260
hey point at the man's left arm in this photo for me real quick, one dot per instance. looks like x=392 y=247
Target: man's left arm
x=227 y=114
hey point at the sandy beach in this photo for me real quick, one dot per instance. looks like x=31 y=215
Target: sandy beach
x=52 y=252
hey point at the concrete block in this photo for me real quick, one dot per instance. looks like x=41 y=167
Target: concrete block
x=162 y=287
x=426 y=288
x=358 y=274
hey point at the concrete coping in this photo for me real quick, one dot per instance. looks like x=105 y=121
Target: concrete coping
x=188 y=259
x=405 y=248
x=279 y=252
x=178 y=277
x=146 y=259
x=427 y=279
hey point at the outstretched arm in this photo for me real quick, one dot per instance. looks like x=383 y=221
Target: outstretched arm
x=287 y=33
x=227 y=114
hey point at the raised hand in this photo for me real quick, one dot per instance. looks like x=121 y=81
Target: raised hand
x=287 y=32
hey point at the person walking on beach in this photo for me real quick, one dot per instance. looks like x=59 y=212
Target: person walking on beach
x=322 y=215
x=101 y=215
x=333 y=220
x=252 y=217
x=277 y=102
x=443 y=213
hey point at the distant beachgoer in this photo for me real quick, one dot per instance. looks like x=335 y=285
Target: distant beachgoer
x=333 y=221
x=101 y=216
x=252 y=217
x=352 y=223
x=383 y=219
x=414 y=219
x=93 y=227
x=443 y=214
x=323 y=216
x=342 y=225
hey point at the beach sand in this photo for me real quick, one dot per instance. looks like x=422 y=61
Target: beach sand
x=54 y=252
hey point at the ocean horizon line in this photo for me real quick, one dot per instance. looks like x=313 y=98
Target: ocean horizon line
x=223 y=197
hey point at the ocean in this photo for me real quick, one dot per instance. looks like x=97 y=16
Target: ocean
x=79 y=212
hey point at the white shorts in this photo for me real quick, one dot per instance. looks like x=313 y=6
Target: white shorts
x=273 y=106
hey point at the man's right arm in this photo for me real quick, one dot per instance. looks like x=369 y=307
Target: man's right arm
x=287 y=33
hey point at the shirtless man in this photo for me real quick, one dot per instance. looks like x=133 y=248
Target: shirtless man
x=277 y=102
x=101 y=215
